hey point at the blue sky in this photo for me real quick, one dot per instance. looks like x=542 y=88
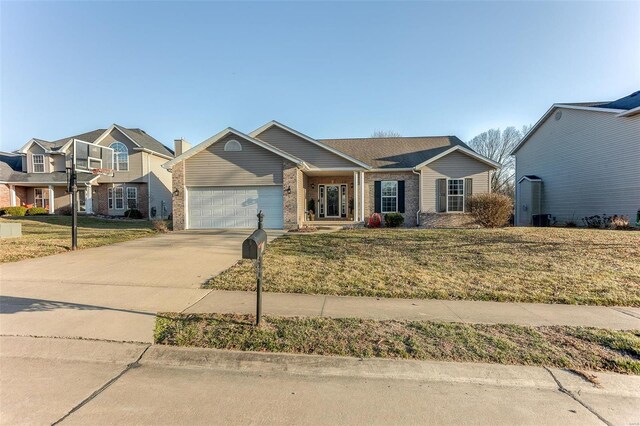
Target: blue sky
x=327 y=69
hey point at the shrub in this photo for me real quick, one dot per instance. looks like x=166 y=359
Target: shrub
x=620 y=222
x=133 y=214
x=64 y=211
x=37 y=211
x=570 y=223
x=491 y=210
x=393 y=220
x=597 y=221
x=160 y=226
x=375 y=220
x=13 y=211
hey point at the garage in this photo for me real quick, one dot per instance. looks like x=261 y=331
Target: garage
x=234 y=207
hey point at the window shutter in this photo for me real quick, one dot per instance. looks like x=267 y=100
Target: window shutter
x=401 y=196
x=468 y=192
x=441 y=195
x=377 y=192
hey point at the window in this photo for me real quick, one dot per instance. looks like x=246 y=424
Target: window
x=132 y=198
x=389 y=193
x=455 y=195
x=233 y=145
x=118 y=193
x=110 y=198
x=41 y=197
x=38 y=163
x=120 y=156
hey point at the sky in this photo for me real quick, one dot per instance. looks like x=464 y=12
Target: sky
x=327 y=69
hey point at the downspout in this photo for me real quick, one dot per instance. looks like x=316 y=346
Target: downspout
x=419 y=195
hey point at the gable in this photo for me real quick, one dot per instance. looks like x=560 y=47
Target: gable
x=457 y=164
x=315 y=156
x=116 y=135
x=253 y=165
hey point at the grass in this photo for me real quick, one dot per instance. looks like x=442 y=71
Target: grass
x=545 y=265
x=576 y=348
x=47 y=235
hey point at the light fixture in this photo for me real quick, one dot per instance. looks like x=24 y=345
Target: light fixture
x=176 y=192
x=313 y=186
x=288 y=190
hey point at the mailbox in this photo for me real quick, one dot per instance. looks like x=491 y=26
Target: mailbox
x=254 y=245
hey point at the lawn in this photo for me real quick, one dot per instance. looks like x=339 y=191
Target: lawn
x=546 y=265
x=576 y=348
x=46 y=235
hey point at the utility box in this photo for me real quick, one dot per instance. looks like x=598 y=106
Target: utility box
x=10 y=230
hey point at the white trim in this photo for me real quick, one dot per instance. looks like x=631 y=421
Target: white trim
x=88 y=199
x=564 y=106
x=26 y=146
x=33 y=163
x=127 y=197
x=185 y=192
x=326 y=199
x=148 y=151
x=218 y=136
x=464 y=150
x=356 y=212
x=529 y=179
x=35 y=203
x=52 y=197
x=272 y=123
x=629 y=112
x=114 y=153
x=12 y=195
x=109 y=130
x=115 y=198
x=362 y=196
x=419 y=173
x=464 y=195
x=401 y=169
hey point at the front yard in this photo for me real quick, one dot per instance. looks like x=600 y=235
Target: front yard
x=46 y=235
x=546 y=265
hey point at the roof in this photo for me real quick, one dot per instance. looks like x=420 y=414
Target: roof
x=146 y=141
x=59 y=178
x=532 y=178
x=395 y=152
x=628 y=102
x=13 y=161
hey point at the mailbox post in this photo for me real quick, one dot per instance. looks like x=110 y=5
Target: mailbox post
x=252 y=248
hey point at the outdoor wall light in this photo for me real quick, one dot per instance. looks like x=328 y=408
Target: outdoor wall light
x=176 y=192
x=313 y=186
x=351 y=185
x=288 y=190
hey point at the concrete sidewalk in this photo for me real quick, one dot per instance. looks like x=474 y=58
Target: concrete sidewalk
x=89 y=382
x=535 y=314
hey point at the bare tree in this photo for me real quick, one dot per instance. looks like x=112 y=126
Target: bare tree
x=497 y=145
x=385 y=134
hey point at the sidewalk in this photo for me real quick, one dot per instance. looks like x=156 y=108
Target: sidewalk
x=534 y=314
x=92 y=382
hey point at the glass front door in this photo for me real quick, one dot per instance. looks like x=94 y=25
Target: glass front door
x=333 y=201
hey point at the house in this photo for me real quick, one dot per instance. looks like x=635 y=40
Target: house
x=225 y=180
x=35 y=175
x=578 y=160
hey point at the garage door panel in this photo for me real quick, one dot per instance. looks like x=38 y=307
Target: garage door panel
x=234 y=207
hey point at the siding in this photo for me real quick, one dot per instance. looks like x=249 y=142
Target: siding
x=589 y=163
x=251 y=166
x=313 y=155
x=135 y=172
x=456 y=166
x=37 y=149
x=159 y=181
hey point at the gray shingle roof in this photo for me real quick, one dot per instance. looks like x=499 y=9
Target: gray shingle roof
x=145 y=141
x=399 y=152
x=54 y=178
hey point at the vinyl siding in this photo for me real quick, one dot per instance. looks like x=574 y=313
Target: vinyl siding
x=135 y=172
x=313 y=155
x=216 y=167
x=37 y=149
x=159 y=181
x=589 y=163
x=455 y=166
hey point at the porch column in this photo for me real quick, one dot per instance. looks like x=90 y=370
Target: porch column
x=88 y=199
x=362 y=196
x=12 y=195
x=52 y=197
x=355 y=196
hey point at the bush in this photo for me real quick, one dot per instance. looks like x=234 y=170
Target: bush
x=597 y=221
x=375 y=220
x=393 y=220
x=133 y=214
x=491 y=210
x=13 y=211
x=620 y=222
x=37 y=211
x=160 y=226
x=64 y=211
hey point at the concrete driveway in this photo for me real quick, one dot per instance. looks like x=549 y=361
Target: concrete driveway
x=113 y=292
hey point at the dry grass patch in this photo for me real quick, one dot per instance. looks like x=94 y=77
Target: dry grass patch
x=576 y=348
x=548 y=265
x=47 y=235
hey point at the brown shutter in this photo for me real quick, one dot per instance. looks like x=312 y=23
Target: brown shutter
x=441 y=195
x=468 y=192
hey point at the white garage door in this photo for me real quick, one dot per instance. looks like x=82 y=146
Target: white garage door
x=234 y=207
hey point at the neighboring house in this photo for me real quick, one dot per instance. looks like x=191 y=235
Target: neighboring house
x=35 y=175
x=580 y=160
x=224 y=181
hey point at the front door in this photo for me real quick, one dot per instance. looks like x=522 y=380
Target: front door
x=81 y=200
x=333 y=201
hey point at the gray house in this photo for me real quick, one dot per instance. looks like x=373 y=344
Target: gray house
x=225 y=180
x=580 y=159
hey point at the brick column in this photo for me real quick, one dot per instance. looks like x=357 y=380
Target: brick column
x=179 y=197
x=290 y=194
